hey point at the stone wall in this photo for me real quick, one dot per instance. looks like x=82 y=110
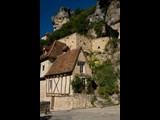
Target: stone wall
x=99 y=44
x=44 y=107
x=76 y=40
x=70 y=41
x=43 y=91
x=83 y=42
x=72 y=102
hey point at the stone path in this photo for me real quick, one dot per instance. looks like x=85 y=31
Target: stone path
x=106 y=113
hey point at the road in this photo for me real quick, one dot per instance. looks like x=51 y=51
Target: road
x=106 y=113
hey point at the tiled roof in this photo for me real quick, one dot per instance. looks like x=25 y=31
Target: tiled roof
x=64 y=63
x=55 y=49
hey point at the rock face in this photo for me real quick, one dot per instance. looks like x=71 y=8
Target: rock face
x=109 y=12
x=99 y=13
x=112 y=17
x=61 y=18
x=115 y=99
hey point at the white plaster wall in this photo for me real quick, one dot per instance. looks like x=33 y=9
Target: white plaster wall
x=47 y=65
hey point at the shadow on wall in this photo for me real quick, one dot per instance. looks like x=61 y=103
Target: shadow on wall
x=45 y=117
x=111 y=32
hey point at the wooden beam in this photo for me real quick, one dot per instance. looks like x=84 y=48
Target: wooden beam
x=56 y=85
x=65 y=84
x=69 y=83
x=61 y=83
x=53 y=80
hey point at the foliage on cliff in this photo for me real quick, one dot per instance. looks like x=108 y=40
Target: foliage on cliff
x=78 y=23
x=106 y=75
x=106 y=78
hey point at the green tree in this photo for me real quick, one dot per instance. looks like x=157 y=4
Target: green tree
x=93 y=61
x=44 y=42
x=77 y=84
x=106 y=79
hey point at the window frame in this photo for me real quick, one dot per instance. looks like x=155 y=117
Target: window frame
x=81 y=65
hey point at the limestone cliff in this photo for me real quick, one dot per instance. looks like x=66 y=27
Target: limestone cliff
x=60 y=18
x=100 y=11
x=112 y=17
x=107 y=11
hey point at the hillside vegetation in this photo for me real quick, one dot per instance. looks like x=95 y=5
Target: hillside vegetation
x=106 y=75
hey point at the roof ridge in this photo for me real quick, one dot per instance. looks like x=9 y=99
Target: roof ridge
x=69 y=51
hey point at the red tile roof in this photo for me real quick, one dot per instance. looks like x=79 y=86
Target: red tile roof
x=64 y=63
x=55 y=49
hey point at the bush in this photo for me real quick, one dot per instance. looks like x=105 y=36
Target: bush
x=97 y=25
x=91 y=85
x=44 y=42
x=112 y=45
x=106 y=79
x=77 y=85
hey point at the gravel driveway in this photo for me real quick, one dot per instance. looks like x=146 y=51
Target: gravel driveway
x=106 y=113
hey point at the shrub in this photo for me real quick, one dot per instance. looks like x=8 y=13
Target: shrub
x=77 y=85
x=112 y=45
x=44 y=42
x=106 y=79
x=91 y=85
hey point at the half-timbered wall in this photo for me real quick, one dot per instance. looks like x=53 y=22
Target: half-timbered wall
x=59 y=85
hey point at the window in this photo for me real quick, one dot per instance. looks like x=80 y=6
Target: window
x=43 y=68
x=98 y=47
x=81 y=68
x=81 y=64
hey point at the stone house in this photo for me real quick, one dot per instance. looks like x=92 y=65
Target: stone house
x=59 y=65
x=47 y=58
